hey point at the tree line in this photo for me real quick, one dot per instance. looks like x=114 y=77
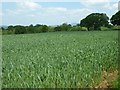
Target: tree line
x=94 y=21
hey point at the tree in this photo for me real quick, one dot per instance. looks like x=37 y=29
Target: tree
x=10 y=28
x=30 y=29
x=44 y=28
x=51 y=28
x=115 y=20
x=20 y=29
x=65 y=27
x=95 y=20
x=57 y=28
x=38 y=28
x=2 y=28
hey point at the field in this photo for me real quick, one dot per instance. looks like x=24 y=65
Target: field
x=60 y=59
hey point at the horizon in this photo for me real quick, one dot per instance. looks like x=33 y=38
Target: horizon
x=53 y=13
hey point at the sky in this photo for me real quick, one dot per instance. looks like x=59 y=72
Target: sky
x=53 y=12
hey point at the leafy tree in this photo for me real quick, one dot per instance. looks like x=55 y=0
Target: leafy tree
x=57 y=28
x=51 y=29
x=95 y=20
x=8 y=30
x=78 y=25
x=30 y=29
x=20 y=29
x=2 y=28
x=65 y=27
x=11 y=28
x=115 y=20
x=38 y=28
x=44 y=28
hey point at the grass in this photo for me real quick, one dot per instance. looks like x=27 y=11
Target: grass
x=58 y=59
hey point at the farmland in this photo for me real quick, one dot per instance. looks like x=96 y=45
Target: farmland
x=58 y=59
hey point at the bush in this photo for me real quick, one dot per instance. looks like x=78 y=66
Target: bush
x=20 y=30
x=7 y=32
x=91 y=28
x=116 y=27
x=51 y=29
x=44 y=28
x=104 y=28
x=57 y=28
x=84 y=29
x=75 y=28
x=0 y=32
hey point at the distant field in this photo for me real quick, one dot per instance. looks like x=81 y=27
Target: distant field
x=60 y=59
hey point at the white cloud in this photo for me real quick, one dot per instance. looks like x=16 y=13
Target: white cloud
x=93 y=2
x=31 y=15
x=115 y=6
x=61 y=15
x=96 y=1
x=28 y=5
x=24 y=8
x=47 y=15
x=59 y=9
x=109 y=6
x=54 y=9
x=32 y=12
x=102 y=3
x=52 y=0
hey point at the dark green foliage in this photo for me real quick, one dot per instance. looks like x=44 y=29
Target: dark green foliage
x=76 y=28
x=116 y=27
x=115 y=20
x=65 y=27
x=51 y=29
x=95 y=20
x=10 y=28
x=38 y=28
x=30 y=29
x=57 y=28
x=6 y=32
x=2 y=28
x=44 y=28
x=20 y=29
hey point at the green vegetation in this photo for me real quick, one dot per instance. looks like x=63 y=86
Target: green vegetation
x=94 y=21
x=104 y=28
x=115 y=20
x=58 y=59
x=62 y=59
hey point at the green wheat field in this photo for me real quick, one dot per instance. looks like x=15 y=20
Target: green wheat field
x=58 y=59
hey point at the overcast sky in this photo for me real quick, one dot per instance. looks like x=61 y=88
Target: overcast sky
x=54 y=12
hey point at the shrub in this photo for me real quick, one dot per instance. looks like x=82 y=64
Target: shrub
x=116 y=27
x=44 y=28
x=75 y=28
x=51 y=29
x=7 y=32
x=104 y=28
x=0 y=32
x=20 y=30
x=91 y=28
x=57 y=28
x=84 y=29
